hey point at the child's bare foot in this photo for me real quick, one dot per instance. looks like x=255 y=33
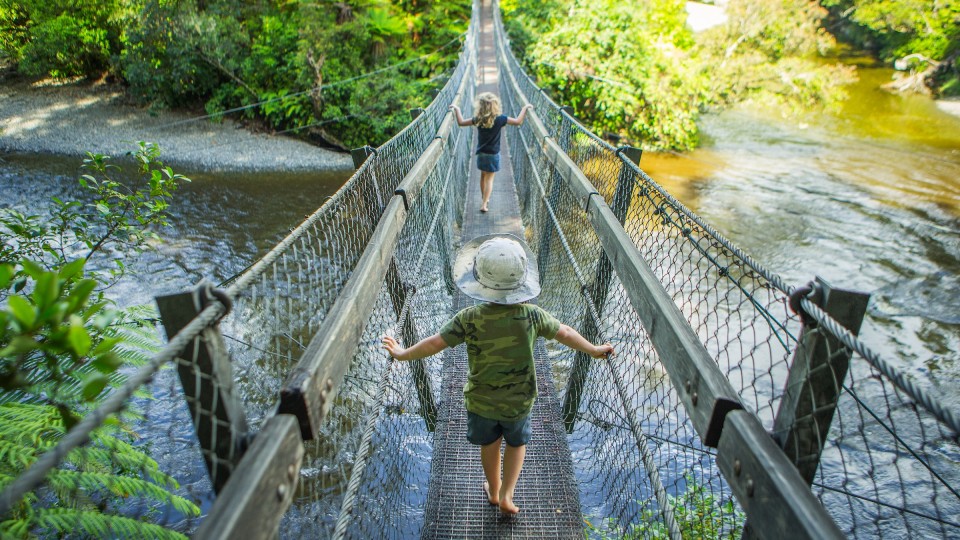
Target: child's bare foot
x=507 y=506
x=484 y=208
x=490 y=498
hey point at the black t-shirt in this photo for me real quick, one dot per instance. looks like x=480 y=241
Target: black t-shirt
x=488 y=139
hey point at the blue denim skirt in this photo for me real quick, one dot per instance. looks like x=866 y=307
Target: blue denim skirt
x=488 y=162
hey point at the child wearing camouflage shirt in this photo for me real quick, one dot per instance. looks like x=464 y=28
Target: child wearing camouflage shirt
x=500 y=334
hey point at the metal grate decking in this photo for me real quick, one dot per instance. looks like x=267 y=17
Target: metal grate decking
x=547 y=494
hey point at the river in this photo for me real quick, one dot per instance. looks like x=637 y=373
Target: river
x=868 y=197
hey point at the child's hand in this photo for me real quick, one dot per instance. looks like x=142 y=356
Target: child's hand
x=454 y=108
x=392 y=346
x=528 y=106
x=603 y=351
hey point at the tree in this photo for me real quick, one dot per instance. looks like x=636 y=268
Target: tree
x=61 y=39
x=624 y=68
x=919 y=37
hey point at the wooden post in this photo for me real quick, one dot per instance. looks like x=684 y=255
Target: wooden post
x=814 y=384
x=207 y=380
x=360 y=155
x=816 y=376
x=398 y=295
x=264 y=486
x=590 y=329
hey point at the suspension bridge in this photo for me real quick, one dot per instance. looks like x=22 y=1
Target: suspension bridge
x=735 y=406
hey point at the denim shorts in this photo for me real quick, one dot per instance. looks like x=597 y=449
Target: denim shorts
x=483 y=431
x=488 y=162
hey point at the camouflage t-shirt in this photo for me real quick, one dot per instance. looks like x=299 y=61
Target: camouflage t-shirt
x=502 y=382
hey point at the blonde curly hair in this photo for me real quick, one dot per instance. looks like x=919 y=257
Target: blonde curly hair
x=488 y=108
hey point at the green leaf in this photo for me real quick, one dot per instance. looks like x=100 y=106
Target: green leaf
x=72 y=268
x=22 y=310
x=81 y=293
x=107 y=363
x=32 y=269
x=19 y=345
x=6 y=275
x=78 y=336
x=106 y=345
x=93 y=386
x=45 y=292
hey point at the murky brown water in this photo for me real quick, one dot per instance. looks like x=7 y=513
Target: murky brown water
x=867 y=197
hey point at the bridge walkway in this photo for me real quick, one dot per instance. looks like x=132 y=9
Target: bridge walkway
x=547 y=494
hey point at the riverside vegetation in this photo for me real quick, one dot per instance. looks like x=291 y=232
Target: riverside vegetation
x=64 y=344
x=634 y=70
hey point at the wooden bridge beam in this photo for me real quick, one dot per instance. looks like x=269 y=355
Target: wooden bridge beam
x=312 y=386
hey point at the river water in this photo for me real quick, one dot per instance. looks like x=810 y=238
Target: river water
x=868 y=197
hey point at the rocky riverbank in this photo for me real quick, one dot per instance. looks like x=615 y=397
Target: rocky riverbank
x=72 y=119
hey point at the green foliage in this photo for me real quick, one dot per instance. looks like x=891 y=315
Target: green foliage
x=622 y=67
x=109 y=468
x=918 y=36
x=61 y=39
x=898 y=28
x=63 y=345
x=698 y=513
x=637 y=71
x=274 y=57
x=770 y=52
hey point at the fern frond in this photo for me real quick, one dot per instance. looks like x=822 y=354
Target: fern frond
x=121 y=486
x=63 y=521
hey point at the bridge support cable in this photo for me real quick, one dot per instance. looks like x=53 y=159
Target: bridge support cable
x=642 y=443
x=694 y=374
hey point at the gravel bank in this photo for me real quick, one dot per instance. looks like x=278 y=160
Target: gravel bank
x=73 y=119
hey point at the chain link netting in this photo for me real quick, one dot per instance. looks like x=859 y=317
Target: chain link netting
x=888 y=467
x=137 y=459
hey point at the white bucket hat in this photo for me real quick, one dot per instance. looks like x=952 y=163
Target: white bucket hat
x=497 y=268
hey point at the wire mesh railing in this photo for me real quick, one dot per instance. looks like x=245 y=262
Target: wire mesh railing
x=887 y=467
x=375 y=259
x=159 y=487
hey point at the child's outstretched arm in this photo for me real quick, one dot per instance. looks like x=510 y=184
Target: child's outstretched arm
x=571 y=338
x=423 y=348
x=518 y=121
x=460 y=120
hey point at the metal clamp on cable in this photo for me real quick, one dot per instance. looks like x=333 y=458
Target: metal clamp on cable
x=207 y=293
x=403 y=193
x=810 y=291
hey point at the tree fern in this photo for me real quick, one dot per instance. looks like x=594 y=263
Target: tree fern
x=108 y=468
x=70 y=522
